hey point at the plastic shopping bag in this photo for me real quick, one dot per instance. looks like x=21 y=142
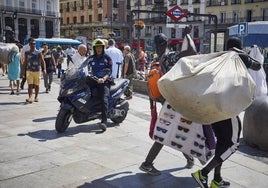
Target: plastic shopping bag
x=181 y=134
x=208 y=88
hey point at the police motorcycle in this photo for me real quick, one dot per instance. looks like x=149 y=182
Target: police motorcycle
x=80 y=103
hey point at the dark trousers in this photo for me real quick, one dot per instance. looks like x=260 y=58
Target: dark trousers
x=227 y=133
x=103 y=94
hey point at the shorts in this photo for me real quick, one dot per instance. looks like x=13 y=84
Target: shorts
x=33 y=77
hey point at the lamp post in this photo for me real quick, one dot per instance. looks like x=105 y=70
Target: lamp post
x=2 y=27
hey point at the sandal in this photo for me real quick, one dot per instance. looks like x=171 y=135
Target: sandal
x=36 y=100
x=29 y=100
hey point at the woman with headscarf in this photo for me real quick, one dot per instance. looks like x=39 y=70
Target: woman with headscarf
x=258 y=76
x=14 y=69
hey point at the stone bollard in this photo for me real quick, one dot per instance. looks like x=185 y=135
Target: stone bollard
x=255 y=124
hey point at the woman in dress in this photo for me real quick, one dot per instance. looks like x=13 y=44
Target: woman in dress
x=14 y=69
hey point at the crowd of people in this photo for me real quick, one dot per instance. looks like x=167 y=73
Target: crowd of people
x=108 y=61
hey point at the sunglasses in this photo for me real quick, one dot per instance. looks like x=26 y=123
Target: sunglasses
x=183 y=138
x=195 y=153
x=176 y=144
x=32 y=43
x=185 y=121
x=161 y=129
x=169 y=107
x=168 y=115
x=158 y=138
x=198 y=145
x=181 y=128
x=162 y=121
x=200 y=137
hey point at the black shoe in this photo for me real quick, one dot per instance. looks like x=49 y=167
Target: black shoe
x=150 y=169
x=103 y=126
x=190 y=163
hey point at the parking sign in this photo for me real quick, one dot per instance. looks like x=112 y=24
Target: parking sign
x=242 y=29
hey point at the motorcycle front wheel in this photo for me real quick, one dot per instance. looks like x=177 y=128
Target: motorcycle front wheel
x=121 y=118
x=63 y=120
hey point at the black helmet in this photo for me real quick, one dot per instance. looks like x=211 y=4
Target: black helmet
x=234 y=42
x=160 y=39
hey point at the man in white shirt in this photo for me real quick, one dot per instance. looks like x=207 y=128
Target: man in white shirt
x=117 y=58
x=79 y=56
x=70 y=51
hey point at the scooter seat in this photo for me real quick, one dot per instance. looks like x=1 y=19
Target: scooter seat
x=118 y=82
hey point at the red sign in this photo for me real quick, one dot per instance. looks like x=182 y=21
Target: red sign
x=176 y=13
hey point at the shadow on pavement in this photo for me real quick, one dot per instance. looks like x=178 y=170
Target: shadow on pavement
x=252 y=152
x=141 y=180
x=45 y=135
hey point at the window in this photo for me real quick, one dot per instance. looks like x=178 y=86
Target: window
x=249 y=15
x=222 y=17
x=74 y=19
x=99 y=17
x=235 y=18
x=68 y=20
x=21 y=4
x=34 y=4
x=49 y=6
x=90 y=18
x=82 y=19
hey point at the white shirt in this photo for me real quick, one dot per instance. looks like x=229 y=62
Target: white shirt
x=70 y=51
x=77 y=60
x=117 y=57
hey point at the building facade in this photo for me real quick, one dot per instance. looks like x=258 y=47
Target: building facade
x=96 y=19
x=22 y=19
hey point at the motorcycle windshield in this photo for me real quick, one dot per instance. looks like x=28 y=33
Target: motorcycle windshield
x=77 y=72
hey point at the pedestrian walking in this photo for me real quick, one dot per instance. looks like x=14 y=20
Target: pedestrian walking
x=70 y=51
x=58 y=54
x=117 y=58
x=80 y=56
x=33 y=62
x=50 y=67
x=161 y=42
x=227 y=134
x=14 y=69
x=128 y=70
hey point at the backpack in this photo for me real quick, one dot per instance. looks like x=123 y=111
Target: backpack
x=154 y=75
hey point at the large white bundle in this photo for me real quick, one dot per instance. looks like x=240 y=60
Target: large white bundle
x=208 y=88
x=5 y=48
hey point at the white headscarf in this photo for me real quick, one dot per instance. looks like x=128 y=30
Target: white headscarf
x=258 y=76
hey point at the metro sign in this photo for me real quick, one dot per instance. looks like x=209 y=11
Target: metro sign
x=176 y=13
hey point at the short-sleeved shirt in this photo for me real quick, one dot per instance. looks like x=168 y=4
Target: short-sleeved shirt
x=33 y=63
x=48 y=61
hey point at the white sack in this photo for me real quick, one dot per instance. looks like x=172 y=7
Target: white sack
x=208 y=88
x=5 y=48
x=258 y=76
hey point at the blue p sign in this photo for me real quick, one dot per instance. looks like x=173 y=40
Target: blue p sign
x=242 y=29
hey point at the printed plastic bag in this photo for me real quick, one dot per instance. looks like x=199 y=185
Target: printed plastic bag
x=5 y=48
x=173 y=130
x=208 y=88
